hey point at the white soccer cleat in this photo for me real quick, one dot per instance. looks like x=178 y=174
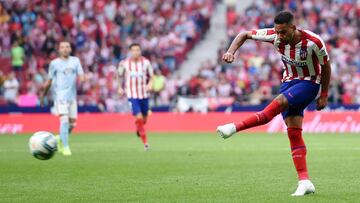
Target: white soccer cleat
x=227 y=130
x=304 y=187
x=146 y=147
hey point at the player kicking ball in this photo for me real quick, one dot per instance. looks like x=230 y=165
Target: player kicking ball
x=302 y=53
x=138 y=74
x=63 y=72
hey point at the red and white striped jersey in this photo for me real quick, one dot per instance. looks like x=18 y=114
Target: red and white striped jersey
x=301 y=61
x=137 y=75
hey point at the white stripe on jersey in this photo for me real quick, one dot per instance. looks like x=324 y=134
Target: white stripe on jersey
x=287 y=53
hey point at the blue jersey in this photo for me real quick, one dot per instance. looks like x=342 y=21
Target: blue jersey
x=63 y=74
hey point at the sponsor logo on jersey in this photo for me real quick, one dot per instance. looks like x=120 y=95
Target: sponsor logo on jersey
x=293 y=62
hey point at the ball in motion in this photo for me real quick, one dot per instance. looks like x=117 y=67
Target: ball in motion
x=43 y=145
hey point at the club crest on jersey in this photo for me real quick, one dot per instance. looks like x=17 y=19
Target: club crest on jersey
x=303 y=54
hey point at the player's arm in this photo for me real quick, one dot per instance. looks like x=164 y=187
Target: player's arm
x=150 y=72
x=239 y=40
x=264 y=35
x=80 y=72
x=81 y=78
x=325 y=81
x=120 y=77
x=323 y=58
x=45 y=88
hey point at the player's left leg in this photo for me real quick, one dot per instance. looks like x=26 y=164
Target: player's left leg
x=140 y=126
x=299 y=96
x=62 y=110
x=144 y=106
x=72 y=124
x=73 y=112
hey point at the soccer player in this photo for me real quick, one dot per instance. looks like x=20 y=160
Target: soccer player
x=63 y=72
x=306 y=70
x=139 y=76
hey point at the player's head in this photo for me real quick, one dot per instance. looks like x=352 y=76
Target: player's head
x=284 y=26
x=135 y=50
x=64 y=49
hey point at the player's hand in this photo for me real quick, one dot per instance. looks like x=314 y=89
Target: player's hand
x=120 y=91
x=149 y=87
x=321 y=102
x=228 y=57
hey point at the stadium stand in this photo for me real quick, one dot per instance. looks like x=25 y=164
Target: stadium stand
x=100 y=32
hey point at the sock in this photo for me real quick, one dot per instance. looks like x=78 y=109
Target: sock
x=260 y=118
x=141 y=130
x=298 y=151
x=64 y=130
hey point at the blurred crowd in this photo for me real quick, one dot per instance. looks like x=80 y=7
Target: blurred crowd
x=254 y=77
x=100 y=32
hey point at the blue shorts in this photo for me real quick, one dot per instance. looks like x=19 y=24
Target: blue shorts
x=299 y=93
x=139 y=106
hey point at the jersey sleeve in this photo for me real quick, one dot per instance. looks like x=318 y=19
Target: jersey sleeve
x=264 y=35
x=79 y=68
x=51 y=73
x=321 y=52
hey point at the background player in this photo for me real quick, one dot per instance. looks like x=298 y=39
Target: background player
x=302 y=52
x=63 y=72
x=139 y=75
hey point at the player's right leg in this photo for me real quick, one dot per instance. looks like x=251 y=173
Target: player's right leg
x=64 y=134
x=72 y=124
x=62 y=109
x=72 y=112
x=279 y=104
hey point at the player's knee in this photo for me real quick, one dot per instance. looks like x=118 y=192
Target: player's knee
x=282 y=100
x=72 y=123
x=293 y=122
x=139 y=116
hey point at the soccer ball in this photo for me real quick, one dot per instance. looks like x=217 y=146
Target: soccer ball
x=42 y=145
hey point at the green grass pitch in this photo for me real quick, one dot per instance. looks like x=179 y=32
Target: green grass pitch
x=180 y=167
